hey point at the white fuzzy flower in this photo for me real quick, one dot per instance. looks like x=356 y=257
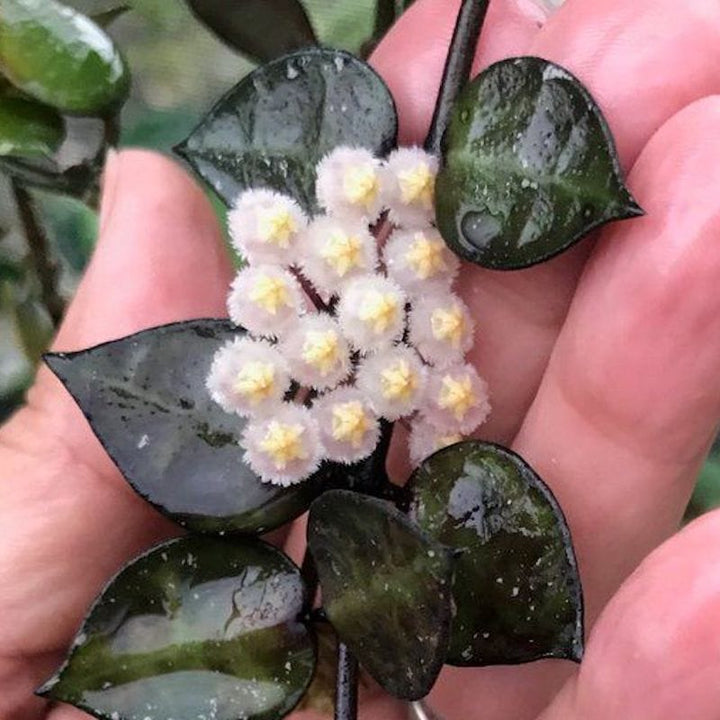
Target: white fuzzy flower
x=349 y=184
x=425 y=439
x=371 y=312
x=349 y=428
x=441 y=328
x=284 y=447
x=248 y=376
x=419 y=261
x=393 y=381
x=265 y=227
x=336 y=250
x=456 y=399
x=266 y=300
x=410 y=187
x=318 y=353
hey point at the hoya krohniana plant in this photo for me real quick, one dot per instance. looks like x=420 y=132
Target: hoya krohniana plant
x=343 y=327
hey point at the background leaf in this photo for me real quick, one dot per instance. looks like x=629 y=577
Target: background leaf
x=61 y=57
x=516 y=586
x=386 y=589
x=262 y=29
x=146 y=400
x=274 y=126
x=530 y=167
x=108 y=17
x=28 y=128
x=197 y=627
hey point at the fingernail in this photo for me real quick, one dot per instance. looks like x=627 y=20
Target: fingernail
x=109 y=182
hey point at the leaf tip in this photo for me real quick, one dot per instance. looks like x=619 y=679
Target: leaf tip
x=46 y=689
x=56 y=361
x=181 y=150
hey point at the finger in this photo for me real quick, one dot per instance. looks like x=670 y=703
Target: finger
x=159 y=258
x=643 y=61
x=630 y=399
x=655 y=652
x=412 y=55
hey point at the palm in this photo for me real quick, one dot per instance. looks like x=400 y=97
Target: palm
x=603 y=365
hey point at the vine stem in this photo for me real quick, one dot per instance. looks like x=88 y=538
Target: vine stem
x=346 y=688
x=39 y=247
x=457 y=68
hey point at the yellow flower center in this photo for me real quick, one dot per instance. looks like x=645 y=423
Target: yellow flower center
x=283 y=443
x=256 y=381
x=456 y=395
x=448 y=325
x=425 y=257
x=361 y=185
x=417 y=185
x=343 y=253
x=277 y=226
x=398 y=382
x=270 y=293
x=321 y=349
x=442 y=441
x=379 y=310
x=350 y=422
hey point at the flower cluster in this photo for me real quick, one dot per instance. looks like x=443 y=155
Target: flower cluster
x=388 y=339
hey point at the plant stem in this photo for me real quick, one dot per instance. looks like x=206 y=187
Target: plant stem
x=457 y=67
x=39 y=247
x=346 y=689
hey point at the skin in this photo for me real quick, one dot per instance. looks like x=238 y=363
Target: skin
x=603 y=364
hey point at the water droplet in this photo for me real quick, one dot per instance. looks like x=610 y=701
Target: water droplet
x=479 y=229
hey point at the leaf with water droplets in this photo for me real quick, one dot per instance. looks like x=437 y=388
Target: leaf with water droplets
x=145 y=398
x=516 y=586
x=530 y=167
x=273 y=128
x=385 y=588
x=262 y=29
x=197 y=627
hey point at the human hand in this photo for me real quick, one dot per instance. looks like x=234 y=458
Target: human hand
x=603 y=364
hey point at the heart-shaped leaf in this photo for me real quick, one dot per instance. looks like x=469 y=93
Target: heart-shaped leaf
x=262 y=29
x=146 y=400
x=530 y=167
x=516 y=587
x=197 y=627
x=61 y=57
x=386 y=589
x=273 y=128
x=28 y=128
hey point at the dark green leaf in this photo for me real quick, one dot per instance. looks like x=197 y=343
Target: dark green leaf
x=530 y=167
x=262 y=29
x=146 y=400
x=385 y=589
x=28 y=128
x=516 y=586
x=274 y=126
x=61 y=57
x=107 y=17
x=197 y=627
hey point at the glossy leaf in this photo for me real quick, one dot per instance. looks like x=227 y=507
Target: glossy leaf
x=262 y=29
x=273 y=127
x=61 y=57
x=146 y=400
x=385 y=589
x=28 y=128
x=516 y=587
x=530 y=167
x=197 y=627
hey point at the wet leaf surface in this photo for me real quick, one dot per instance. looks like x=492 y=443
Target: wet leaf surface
x=530 y=167
x=516 y=586
x=146 y=400
x=28 y=128
x=385 y=589
x=273 y=128
x=262 y=29
x=197 y=627
x=61 y=57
